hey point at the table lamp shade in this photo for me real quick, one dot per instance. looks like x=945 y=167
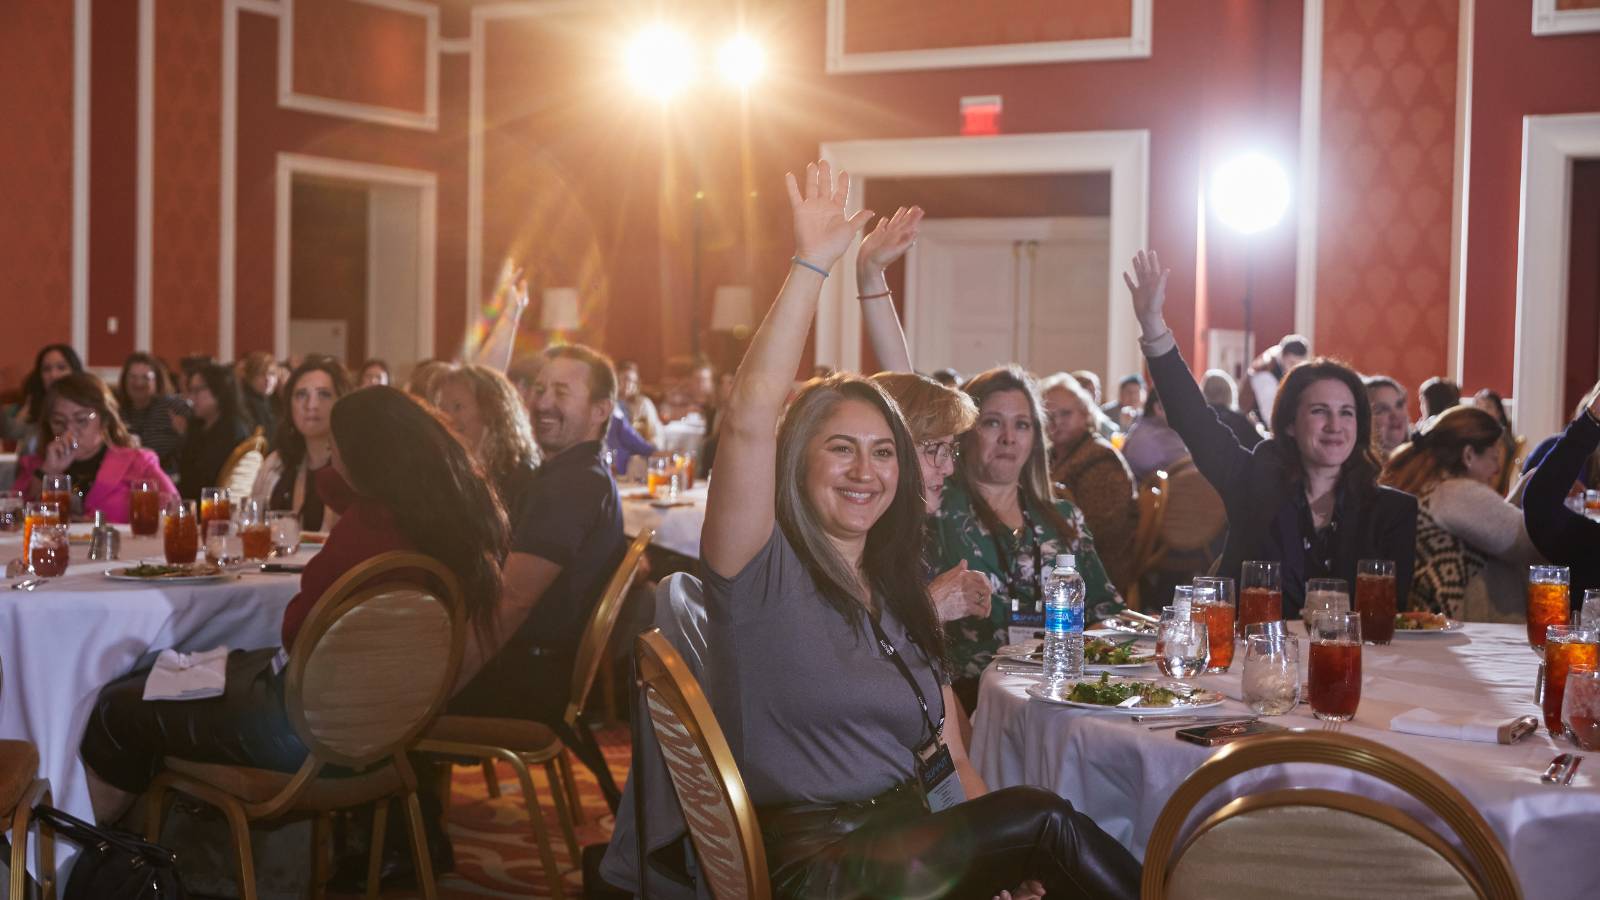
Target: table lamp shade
x=731 y=308
x=558 y=310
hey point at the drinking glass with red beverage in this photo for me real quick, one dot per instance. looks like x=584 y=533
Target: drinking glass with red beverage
x=1566 y=646
x=144 y=508
x=1580 y=710
x=1549 y=601
x=180 y=532
x=48 y=550
x=255 y=532
x=38 y=513
x=58 y=489
x=1376 y=600
x=1214 y=597
x=215 y=504
x=1335 y=665
x=1260 y=592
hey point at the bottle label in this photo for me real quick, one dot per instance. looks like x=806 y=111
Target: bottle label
x=1063 y=618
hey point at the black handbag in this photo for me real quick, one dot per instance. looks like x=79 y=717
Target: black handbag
x=113 y=864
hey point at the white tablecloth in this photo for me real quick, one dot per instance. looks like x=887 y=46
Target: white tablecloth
x=1121 y=774
x=677 y=527
x=61 y=642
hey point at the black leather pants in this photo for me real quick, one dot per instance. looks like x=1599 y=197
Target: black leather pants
x=975 y=849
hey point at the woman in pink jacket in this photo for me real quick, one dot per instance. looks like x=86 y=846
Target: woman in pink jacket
x=83 y=436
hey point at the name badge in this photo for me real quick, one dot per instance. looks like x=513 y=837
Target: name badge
x=936 y=770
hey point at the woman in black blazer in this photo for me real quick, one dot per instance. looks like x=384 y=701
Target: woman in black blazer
x=1308 y=497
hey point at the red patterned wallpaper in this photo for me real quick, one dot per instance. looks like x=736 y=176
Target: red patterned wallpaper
x=880 y=25
x=345 y=50
x=35 y=182
x=1387 y=173
x=187 y=167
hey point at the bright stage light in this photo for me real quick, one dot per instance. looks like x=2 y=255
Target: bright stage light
x=1250 y=193
x=660 y=61
x=741 y=60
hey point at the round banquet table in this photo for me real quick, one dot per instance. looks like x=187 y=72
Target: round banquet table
x=62 y=641
x=1121 y=774
x=677 y=526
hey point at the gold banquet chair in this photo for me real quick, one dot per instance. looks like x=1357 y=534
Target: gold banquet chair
x=716 y=808
x=1315 y=843
x=372 y=666
x=238 y=474
x=1152 y=516
x=523 y=743
x=21 y=789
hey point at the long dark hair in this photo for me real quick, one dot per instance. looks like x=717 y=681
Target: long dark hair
x=1363 y=466
x=33 y=387
x=404 y=456
x=1035 y=478
x=892 y=561
x=139 y=357
x=224 y=387
x=1435 y=453
x=291 y=444
x=87 y=390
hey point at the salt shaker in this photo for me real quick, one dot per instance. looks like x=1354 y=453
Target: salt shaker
x=105 y=542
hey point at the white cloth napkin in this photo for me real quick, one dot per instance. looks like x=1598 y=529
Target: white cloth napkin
x=1456 y=726
x=188 y=676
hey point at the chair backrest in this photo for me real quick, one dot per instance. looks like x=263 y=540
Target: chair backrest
x=1152 y=512
x=597 y=636
x=238 y=474
x=1292 y=842
x=716 y=809
x=375 y=660
x=1194 y=515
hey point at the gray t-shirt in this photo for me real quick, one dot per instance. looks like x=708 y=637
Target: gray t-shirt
x=812 y=708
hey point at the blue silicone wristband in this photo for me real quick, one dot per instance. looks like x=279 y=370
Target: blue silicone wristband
x=812 y=266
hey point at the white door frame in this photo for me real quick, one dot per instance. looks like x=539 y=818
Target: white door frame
x=1125 y=155
x=292 y=164
x=1550 y=145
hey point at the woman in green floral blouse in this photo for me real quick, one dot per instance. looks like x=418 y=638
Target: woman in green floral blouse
x=1000 y=516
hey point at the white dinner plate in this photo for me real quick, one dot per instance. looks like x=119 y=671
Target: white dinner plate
x=1451 y=626
x=1018 y=656
x=117 y=575
x=1116 y=634
x=1196 y=698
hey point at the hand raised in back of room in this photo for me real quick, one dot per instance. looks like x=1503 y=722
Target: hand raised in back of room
x=1148 y=285
x=822 y=231
x=887 y=242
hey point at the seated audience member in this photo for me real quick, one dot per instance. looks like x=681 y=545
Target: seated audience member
x=258 y=381
x=1090 y=382
x=1268 y=371
x=1391 y=426
x=147 y=404
x=1564 y=537
x=1472 y=548
x=1588 y=474
x=624 y=443
x=82 y=436
x=216 y=428
x=400 y=481
x=1001 y=515
x=1437 y=395
x=488 y=416
x=635 y=403
x=304 y=444
x=1222 y=395
x=522 y=374
x=374 y=371
x=1152 y=443
x=1096 y=477
x=1308 y=496
x=811 y=564
x=1131 y=398
x=1490 y=402
x=20 y=421
x=420 y=384
x=948 y=377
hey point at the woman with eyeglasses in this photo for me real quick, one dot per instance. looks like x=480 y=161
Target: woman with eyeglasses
x=82 y=436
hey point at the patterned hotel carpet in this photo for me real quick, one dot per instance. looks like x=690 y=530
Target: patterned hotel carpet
x=495 y=854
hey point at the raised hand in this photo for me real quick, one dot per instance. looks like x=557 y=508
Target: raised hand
x=959 y=593
x=887 y=242
x=1149 y=288
x=822 y=231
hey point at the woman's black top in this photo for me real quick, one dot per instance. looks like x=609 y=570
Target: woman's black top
x=204 y=452
x=153 y=425
x=1563 y=536
x=259 y=410
x=1268 y=516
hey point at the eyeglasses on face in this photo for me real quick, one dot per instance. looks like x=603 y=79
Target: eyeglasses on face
x=936 y=452
x=80 y=422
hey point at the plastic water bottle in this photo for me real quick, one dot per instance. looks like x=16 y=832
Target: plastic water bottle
x=1063 y=621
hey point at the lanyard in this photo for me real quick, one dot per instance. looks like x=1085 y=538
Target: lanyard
x=905 y=672
x=1032 y=536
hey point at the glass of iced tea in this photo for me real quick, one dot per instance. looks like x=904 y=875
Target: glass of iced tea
x=58 y=489
x=1260 y=592
x=180 y=532
x=1215 y=600
x=1335 y=665
x=254 y=530
x=1325 y=595
x=48 y=550
x=1549 y=601
x=1375 y=599
x=1566 y=646
x=38 y=513
x=144 y=508
x=12 y=511
x=215 y=504
x=1580 y=709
